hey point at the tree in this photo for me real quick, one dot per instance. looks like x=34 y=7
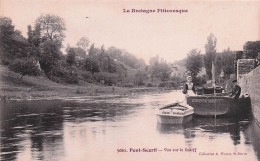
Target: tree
x=153 y=65
x=140 y=77
x=75 y=55
x=164 y=71
x=103 y=60
x=50 y=56
x=25 y=66
x=34 y=40
x=125 y=57
x=209 y=57
x=92 y=50
x=227 y=65
x=70 y=59
x=12 y=44
x=194 y=62
x=83 y=43
x=114 y=53
x=34 y=36
x=159 y=69
x=52 y=27
x=218 y=65
x=252 y=48
x=91 y=64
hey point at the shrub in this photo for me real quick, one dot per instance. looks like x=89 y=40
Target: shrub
x=130 y=85
x=87 y=77
x=167 y=84
x=25 y=66
x=149 y=84
x=200 y=80
x=106 y=78
x=64 y=74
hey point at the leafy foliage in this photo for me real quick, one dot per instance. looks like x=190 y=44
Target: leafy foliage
x=252 y=48
x=200 y=80
x=83 y=43
x=91 y=64
x=50 y=55
x=125 y=57
x=12 y=44
x=141 y=77
x=64 y=74
x=92 y=51
x=194 y=62
x=111 y=66
x=108 y=78
x=224 y=61
x=209 y=57
x=71 y=55
x=52 y=27
x=34 y=36
x=159 y=69
x=25 y=66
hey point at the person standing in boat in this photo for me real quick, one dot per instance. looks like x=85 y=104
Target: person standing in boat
x=236 y=90
x=188 y=88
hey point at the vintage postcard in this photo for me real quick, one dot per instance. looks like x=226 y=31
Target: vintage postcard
x=130 y=80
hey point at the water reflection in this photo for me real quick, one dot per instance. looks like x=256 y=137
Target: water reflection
x=252 y=136
x=40 y=124
x=23 y=122
x=75 y=129
x=201 y=125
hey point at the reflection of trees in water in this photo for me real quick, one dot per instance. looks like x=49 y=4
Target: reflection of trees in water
x=41 y=122
x=232 y=125
x=9 y=130
x=185 y=129
x=200 y=125
x=100 y=111
x=252 y=136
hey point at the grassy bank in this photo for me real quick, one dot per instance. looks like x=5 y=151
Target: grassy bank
x=40 y=87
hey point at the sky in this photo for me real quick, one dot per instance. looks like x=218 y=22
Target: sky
x=169 y=35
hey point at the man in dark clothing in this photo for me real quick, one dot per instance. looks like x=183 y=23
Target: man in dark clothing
x=236 y=90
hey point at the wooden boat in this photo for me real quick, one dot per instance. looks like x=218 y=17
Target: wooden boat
x=174 y=114
x=219 y=104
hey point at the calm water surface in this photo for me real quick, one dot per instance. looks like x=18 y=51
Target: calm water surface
x=96 y=129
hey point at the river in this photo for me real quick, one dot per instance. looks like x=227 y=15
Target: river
x=119 y=128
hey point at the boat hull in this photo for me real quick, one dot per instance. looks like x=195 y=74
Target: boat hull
x=213 y=105
x=163 y=119
x=174 y=114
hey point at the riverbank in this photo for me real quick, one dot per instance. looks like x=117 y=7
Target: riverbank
x=42 y=88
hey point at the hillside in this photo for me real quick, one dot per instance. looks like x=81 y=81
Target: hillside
x=40 y=87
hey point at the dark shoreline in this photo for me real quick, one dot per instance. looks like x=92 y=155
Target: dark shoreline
x=104 y=92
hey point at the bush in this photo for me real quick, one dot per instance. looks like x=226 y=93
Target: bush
x=106 y=78
x=25 y=66
x=200 y=80
x=130 y=85
x=149 y=84
x=167 y=84
x=71 y=77
x=64 y=74
x=87 y=77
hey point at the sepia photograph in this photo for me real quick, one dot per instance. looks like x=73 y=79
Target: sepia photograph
x=130 y=80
